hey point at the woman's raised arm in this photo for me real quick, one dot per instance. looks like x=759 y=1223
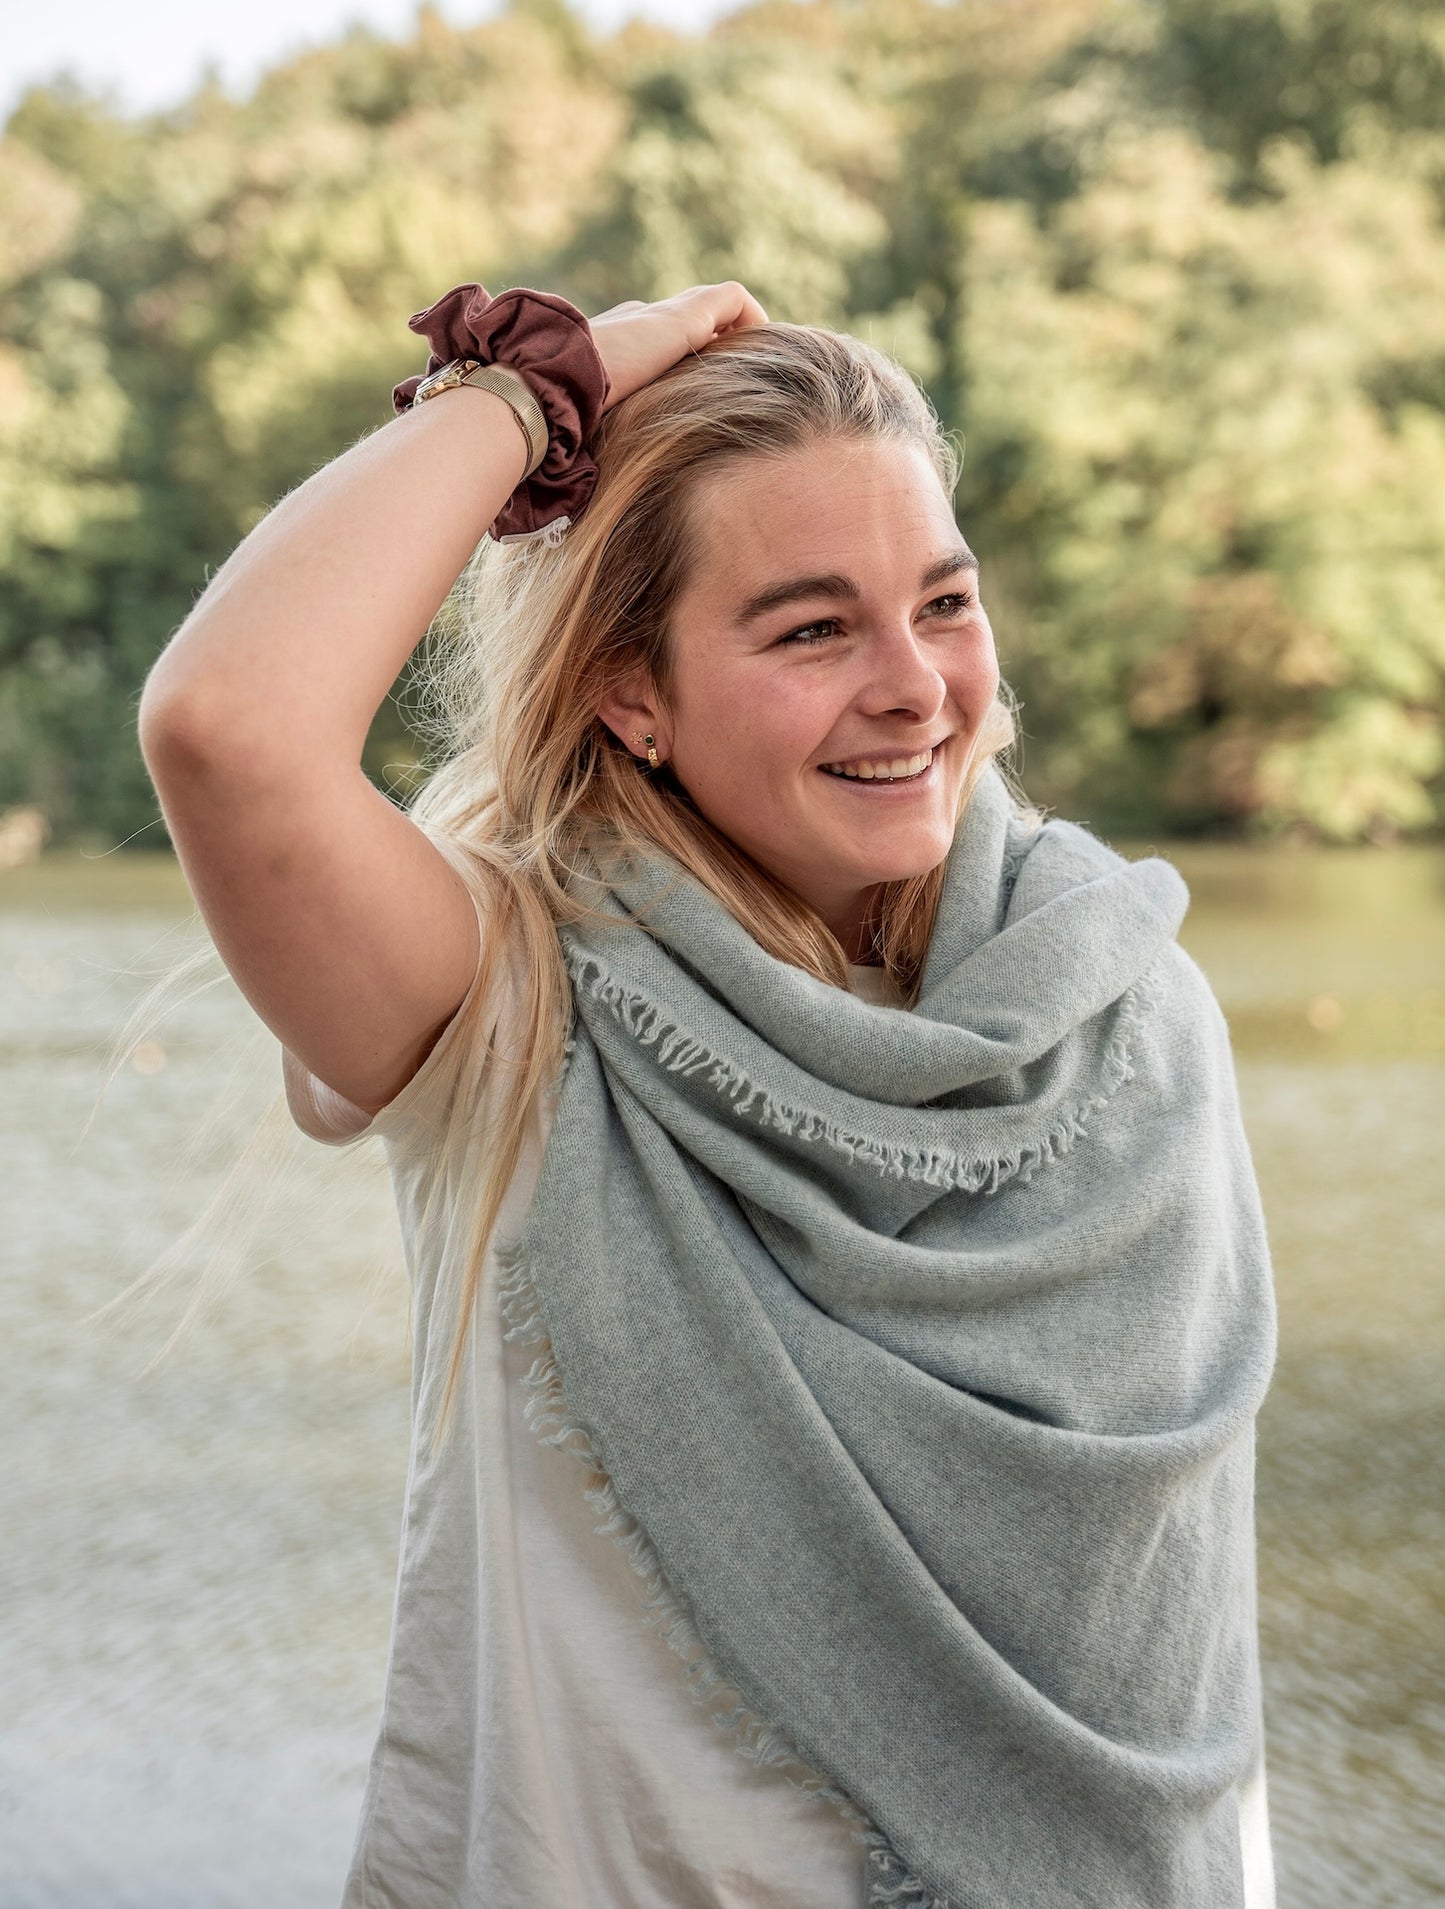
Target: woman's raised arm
x=347 y=930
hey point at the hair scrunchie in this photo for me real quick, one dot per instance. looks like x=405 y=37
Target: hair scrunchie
x=548 y=340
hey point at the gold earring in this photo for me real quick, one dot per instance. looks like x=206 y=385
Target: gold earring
x=652 y=761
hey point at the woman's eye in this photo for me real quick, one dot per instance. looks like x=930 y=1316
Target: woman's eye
x=959 y=600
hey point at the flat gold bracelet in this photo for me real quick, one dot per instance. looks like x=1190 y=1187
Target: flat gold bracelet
x=507 y=384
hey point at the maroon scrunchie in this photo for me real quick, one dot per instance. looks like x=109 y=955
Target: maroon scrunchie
x=548 y=340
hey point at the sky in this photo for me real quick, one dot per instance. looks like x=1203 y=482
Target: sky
x=152 y=52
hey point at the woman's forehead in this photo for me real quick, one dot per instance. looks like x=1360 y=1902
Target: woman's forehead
x=875 y=506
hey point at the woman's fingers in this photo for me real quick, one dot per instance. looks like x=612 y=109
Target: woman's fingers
x=714 y=309
x=740 y=308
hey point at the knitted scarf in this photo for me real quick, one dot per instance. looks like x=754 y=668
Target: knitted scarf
x=922 y=1349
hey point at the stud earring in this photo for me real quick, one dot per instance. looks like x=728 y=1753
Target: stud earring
x=652 y=759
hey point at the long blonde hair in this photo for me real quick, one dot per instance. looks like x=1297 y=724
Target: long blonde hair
x=532 y=638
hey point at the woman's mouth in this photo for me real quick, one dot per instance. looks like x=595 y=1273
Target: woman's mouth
x=899 y=772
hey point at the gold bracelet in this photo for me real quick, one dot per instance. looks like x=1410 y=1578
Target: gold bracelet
x=504 y=382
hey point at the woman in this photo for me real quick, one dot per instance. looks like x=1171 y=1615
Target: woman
x=839 y=1160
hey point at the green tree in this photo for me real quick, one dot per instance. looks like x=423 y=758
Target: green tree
x=1172 y=268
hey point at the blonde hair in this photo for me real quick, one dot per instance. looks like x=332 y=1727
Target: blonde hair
x=532 y=638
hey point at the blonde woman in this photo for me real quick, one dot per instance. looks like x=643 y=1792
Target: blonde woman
x=841 y=1297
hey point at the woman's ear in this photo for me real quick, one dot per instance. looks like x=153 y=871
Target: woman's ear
x=633 y=711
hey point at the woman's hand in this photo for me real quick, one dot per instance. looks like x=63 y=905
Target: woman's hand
x=638 y=341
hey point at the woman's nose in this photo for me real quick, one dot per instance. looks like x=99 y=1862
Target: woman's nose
x=902 y=675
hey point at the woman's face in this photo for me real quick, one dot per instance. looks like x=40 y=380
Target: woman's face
x=833 y=620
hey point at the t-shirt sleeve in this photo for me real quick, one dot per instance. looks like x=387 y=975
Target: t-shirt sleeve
x=325 y=1115
x=318 y=1110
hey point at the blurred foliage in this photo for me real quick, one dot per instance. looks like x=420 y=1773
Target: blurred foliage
x=1173 y=269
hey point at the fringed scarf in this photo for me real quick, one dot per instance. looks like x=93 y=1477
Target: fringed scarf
x=922 y=1350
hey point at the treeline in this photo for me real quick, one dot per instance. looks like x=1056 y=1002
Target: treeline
x=1174 y=270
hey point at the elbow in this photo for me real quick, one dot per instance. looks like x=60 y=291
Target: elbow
x=187 y=734
x=172 y=727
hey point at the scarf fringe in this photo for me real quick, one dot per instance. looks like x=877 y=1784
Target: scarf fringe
x=682 y=1052
x=891 y=1885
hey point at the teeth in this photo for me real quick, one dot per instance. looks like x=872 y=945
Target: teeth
x=882 y=771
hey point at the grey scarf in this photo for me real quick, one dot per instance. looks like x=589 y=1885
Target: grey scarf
x=922 y=1352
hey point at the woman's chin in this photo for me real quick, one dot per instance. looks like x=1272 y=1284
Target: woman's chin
x=900 y=862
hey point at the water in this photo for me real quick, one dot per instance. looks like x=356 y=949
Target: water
x=197 y=1565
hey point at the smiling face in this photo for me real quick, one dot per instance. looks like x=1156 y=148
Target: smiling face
x=833 y=619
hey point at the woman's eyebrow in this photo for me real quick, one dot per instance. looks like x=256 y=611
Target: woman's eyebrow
x=832 y=583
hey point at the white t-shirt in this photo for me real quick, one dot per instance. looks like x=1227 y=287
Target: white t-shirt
x=538 y=1743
